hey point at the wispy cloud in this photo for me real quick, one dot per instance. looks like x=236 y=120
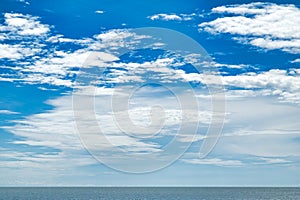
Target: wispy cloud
x=215 y=161
x=165 y=17
x=266 y=135
x=8 y=112
x=173 y=17
x=269 y=130
x=275 y=160
x=296 y=61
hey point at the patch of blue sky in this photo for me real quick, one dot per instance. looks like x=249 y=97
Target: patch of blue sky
x=25 y=99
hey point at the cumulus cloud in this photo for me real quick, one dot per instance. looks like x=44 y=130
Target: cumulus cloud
x=44 y=64
x=25 y=25
x=49 y=66
x=14 y=51
x=265 y=25
x=15 y=28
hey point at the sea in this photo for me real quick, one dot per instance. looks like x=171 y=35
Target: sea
x=124 y=193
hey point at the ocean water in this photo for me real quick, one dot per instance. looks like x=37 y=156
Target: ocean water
x=124 y=193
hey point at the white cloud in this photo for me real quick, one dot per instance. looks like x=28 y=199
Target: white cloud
x=165 y=17
x=48 y=65
x=56 y=129
x=230 y=66
x=51 y=66
x=259 y=131
x=173 y=17
x=260 y=144
x=277 y=82
x=53 y=129
x=214 y=161
x=99 y=11
x=265 y=25
x=260 y=126
x=25 y=2
x=60 y=63
x=25 y=25
x=135 y=72
x=292 y=45
x=14 y=30
x=8 y=112
x=61 y=39
x=16 y=51
x=275 y=160
x=41 y=168
x=274 y=78
x=114 y=35
x=296 y=61
x=10 y=51
x=115 y=39
x=188 y=17
x=241 y=9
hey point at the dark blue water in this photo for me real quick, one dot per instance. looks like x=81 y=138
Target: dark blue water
x=150 y=193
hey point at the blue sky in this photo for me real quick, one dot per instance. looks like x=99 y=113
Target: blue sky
x=67 y=67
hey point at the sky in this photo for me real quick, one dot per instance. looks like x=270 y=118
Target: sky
x=149 y=93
